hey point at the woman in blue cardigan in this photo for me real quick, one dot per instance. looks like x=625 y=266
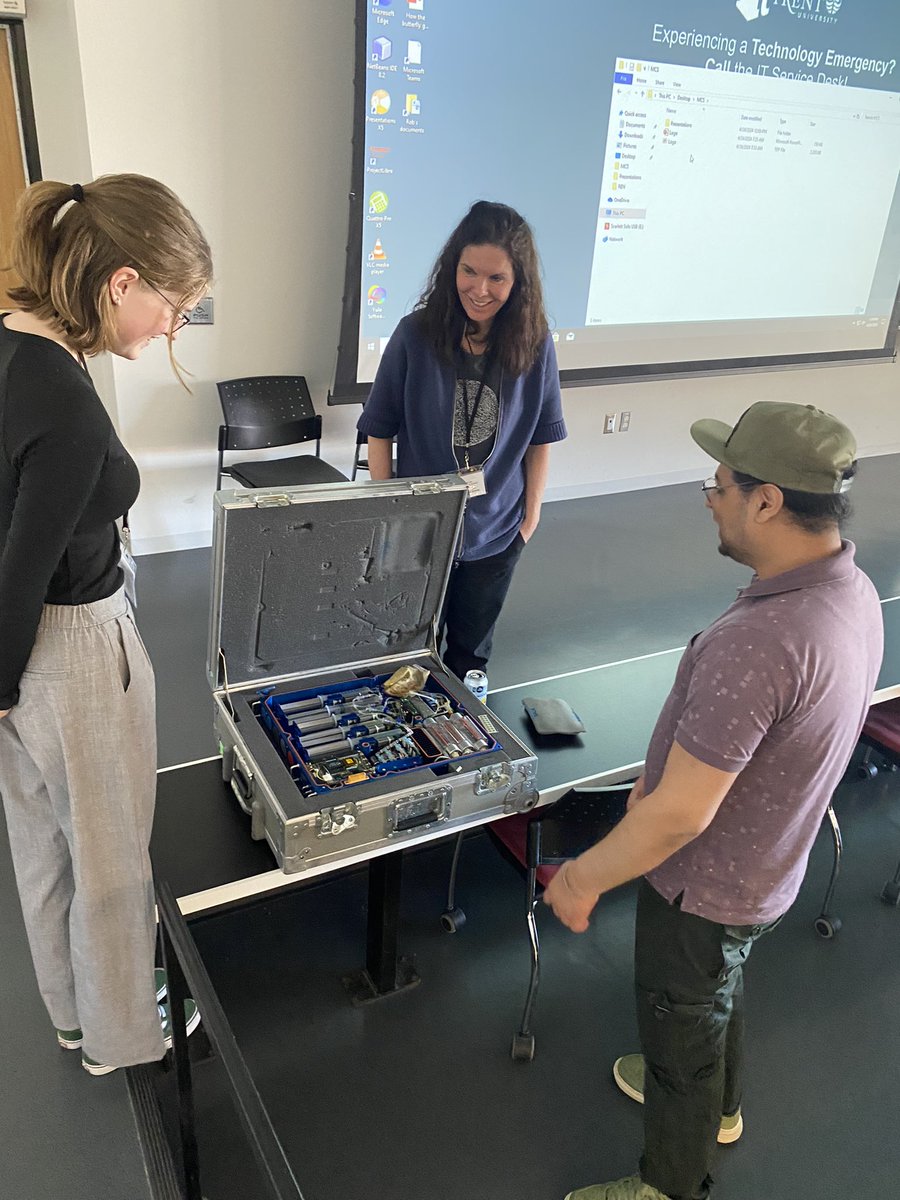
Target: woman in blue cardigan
x=469 y=384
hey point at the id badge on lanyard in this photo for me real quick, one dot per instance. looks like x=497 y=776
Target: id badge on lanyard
x=127 y=563
x=473 y=478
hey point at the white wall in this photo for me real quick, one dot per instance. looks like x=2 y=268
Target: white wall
x=246 y=111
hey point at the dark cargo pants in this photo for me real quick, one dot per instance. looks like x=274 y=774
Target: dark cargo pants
x=689 y=991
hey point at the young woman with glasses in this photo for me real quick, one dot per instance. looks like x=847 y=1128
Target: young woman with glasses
x=108 y=266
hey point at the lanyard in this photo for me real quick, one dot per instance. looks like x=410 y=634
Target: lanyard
x=470 y=415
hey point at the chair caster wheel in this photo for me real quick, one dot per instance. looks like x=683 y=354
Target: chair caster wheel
x=827 y=927
x=891 y=893
x=452 y=920
x=523 y=1047
x=866 y=770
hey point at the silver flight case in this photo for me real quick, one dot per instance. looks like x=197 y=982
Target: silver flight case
x=319 y=594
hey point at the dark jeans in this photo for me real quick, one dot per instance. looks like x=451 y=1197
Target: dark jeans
x=689 y=989
x=474 y=599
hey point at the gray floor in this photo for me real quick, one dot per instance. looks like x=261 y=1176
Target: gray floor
x=417 y=1097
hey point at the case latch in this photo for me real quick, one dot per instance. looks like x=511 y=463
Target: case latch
x=493 y=778
x=332 y=822
x=278 y=500
x=425 y=487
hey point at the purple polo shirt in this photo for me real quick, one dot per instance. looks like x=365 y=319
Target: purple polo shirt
x=777 y=689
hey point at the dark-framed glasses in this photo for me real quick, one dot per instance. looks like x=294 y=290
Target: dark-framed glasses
x=181 y=318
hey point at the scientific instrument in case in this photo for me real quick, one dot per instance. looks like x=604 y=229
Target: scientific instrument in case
x=321 y=595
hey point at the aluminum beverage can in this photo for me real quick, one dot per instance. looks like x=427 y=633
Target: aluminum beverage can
x=477 y=683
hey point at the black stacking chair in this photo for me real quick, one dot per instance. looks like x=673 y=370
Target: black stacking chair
x=535 y=843
x=360 y=454
x=271 y=410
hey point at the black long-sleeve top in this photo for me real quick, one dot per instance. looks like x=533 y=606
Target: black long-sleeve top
x=64 y=479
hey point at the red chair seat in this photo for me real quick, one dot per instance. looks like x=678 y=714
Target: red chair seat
x=883 y=725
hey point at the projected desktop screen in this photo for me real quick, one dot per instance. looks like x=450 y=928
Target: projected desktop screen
x=710 y=183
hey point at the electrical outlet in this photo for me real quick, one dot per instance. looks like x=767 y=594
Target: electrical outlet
x=624 y=422
x=609 y=424
x=202 y=312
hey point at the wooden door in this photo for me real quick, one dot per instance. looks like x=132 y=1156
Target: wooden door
x=13 y=179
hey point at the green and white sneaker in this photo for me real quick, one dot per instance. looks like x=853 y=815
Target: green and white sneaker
x=69 y=1039
x=628 y=1072
x=161 y=983
x=191 y=1021
x=631 y=1188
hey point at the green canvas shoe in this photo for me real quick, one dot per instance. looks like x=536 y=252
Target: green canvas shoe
x=95 y=1068
x=628 y=1072
x=69 y=1039
x=632 y=1188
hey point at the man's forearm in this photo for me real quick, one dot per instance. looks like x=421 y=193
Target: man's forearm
x=646 y=836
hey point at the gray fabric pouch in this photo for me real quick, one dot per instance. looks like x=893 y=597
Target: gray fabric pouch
x=552 y=716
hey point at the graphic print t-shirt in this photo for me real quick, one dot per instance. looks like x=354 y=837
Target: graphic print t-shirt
x=486 y=409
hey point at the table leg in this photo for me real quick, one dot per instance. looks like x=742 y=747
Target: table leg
x=386 y=970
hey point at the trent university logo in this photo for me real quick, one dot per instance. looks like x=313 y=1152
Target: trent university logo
x=807 y=10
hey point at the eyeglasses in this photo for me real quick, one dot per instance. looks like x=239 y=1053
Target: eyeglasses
x=181 y=318
x=712 y=485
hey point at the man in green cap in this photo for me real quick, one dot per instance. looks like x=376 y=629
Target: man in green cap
x=766 y=708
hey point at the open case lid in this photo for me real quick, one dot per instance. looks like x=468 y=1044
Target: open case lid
x=328 y=575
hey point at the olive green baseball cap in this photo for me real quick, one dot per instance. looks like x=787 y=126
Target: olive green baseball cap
x=792 y=445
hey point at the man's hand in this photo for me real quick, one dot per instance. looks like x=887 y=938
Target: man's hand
x=4 y=713
x=571 y=904
x=526 y=529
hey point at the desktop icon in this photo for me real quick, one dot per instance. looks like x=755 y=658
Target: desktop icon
x=555 y=336
x=381 y=49
x=606 y=239
x=377 y=294
x=413 y=53
x=415 y=5
x=378 y=203
x=413 y=106
x=378 y=254
x=380 y=103
x=383 y=3
x=570 y=336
